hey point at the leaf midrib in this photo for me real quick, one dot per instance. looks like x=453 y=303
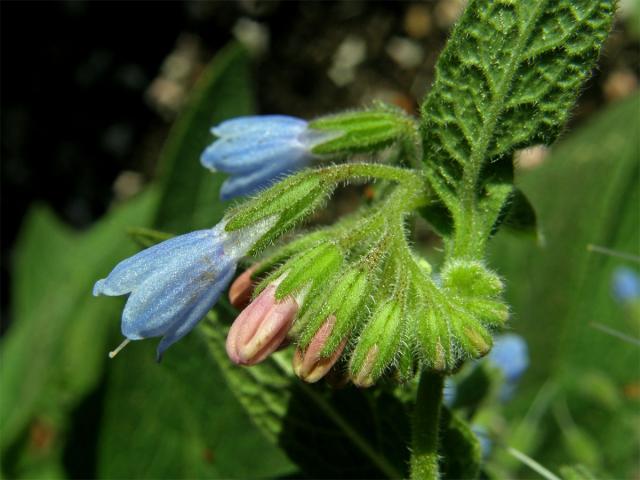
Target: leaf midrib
x=472 y=169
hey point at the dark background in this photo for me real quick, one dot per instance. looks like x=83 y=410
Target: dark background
x=84 y=85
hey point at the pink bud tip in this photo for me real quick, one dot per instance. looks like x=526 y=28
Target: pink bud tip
x=364 y=378
x=309 y=365
x=242 y=288
x=260 y=328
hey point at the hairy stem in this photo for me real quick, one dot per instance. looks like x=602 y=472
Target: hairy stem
x=424 y=455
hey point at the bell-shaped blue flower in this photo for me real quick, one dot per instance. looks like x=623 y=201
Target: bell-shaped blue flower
x=172 y=285
x=258 y=150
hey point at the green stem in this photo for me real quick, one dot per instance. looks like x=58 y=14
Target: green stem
x=426 y=417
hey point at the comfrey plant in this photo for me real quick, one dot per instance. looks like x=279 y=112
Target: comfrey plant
x=355 y=296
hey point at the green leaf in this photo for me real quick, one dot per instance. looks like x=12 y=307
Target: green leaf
x=177 y=419
x=349 y=433
x=189 y=198
x=506 y=80
x=54 y=351
x=586 y=192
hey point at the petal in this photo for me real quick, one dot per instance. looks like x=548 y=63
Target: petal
x=245 y=156
x=247 y=184
x=201 y=306
x=134 y=270
x=263 y=124
x=172 y=290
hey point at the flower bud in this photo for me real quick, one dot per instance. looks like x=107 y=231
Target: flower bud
x=310 y=365
x=242 y=288
x=313 y=266
x=434 y=339
x=258 y=150
x=471 y=279
x=260 y=328
x=378 y=344
x=362 y=131
x=343 y=299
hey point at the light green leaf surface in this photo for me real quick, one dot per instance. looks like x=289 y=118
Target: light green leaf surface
x=54 y=352
x=585 y=193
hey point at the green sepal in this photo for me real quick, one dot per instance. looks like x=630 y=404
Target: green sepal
x=289 y=250
x=406 y=364
x=314 y=266
x=380 y=339
x=434 y=339
x=341 y=296
x=470 y=334
x=362 y=131
x=148 y=237
x=494 y=313
x=291 y=201
x=471 y=279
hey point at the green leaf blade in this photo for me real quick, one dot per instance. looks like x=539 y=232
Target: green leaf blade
x=506 y=80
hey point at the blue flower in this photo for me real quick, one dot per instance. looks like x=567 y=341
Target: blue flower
x=511 y=356
x=256 y=151
x=172 y=285
x=625 y=285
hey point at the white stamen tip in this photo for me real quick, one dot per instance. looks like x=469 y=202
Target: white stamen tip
x=113 y=353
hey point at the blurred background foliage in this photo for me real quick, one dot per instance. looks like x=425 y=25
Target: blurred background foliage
x=109 y=140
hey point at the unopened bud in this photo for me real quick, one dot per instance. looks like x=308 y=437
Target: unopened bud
x=242 y=289
x=260 y=328
x=378 y=344
x=479 y=340
x=363 y=376
x=471 y=279
x=361 y=131
x=310 y=365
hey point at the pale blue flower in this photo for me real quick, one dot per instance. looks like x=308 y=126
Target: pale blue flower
x=625 y=285
x=258 y=150
x=172 y=285
x=510 y=355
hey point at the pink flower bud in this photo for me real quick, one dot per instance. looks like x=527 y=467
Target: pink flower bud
x=260 y=328
x=363 y=377
x=309 y=365
x=242 y=288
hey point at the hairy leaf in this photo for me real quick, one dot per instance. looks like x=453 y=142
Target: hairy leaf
x=347 y=433
x=506 y=80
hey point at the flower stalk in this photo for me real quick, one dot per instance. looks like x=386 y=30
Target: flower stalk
x=426 y=419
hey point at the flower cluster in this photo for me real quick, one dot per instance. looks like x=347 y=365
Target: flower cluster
x=353 y=291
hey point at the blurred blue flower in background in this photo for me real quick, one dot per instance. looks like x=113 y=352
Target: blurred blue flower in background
x=510 y=355
x=625 y=285
x=173 y=284
x=258 y=150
